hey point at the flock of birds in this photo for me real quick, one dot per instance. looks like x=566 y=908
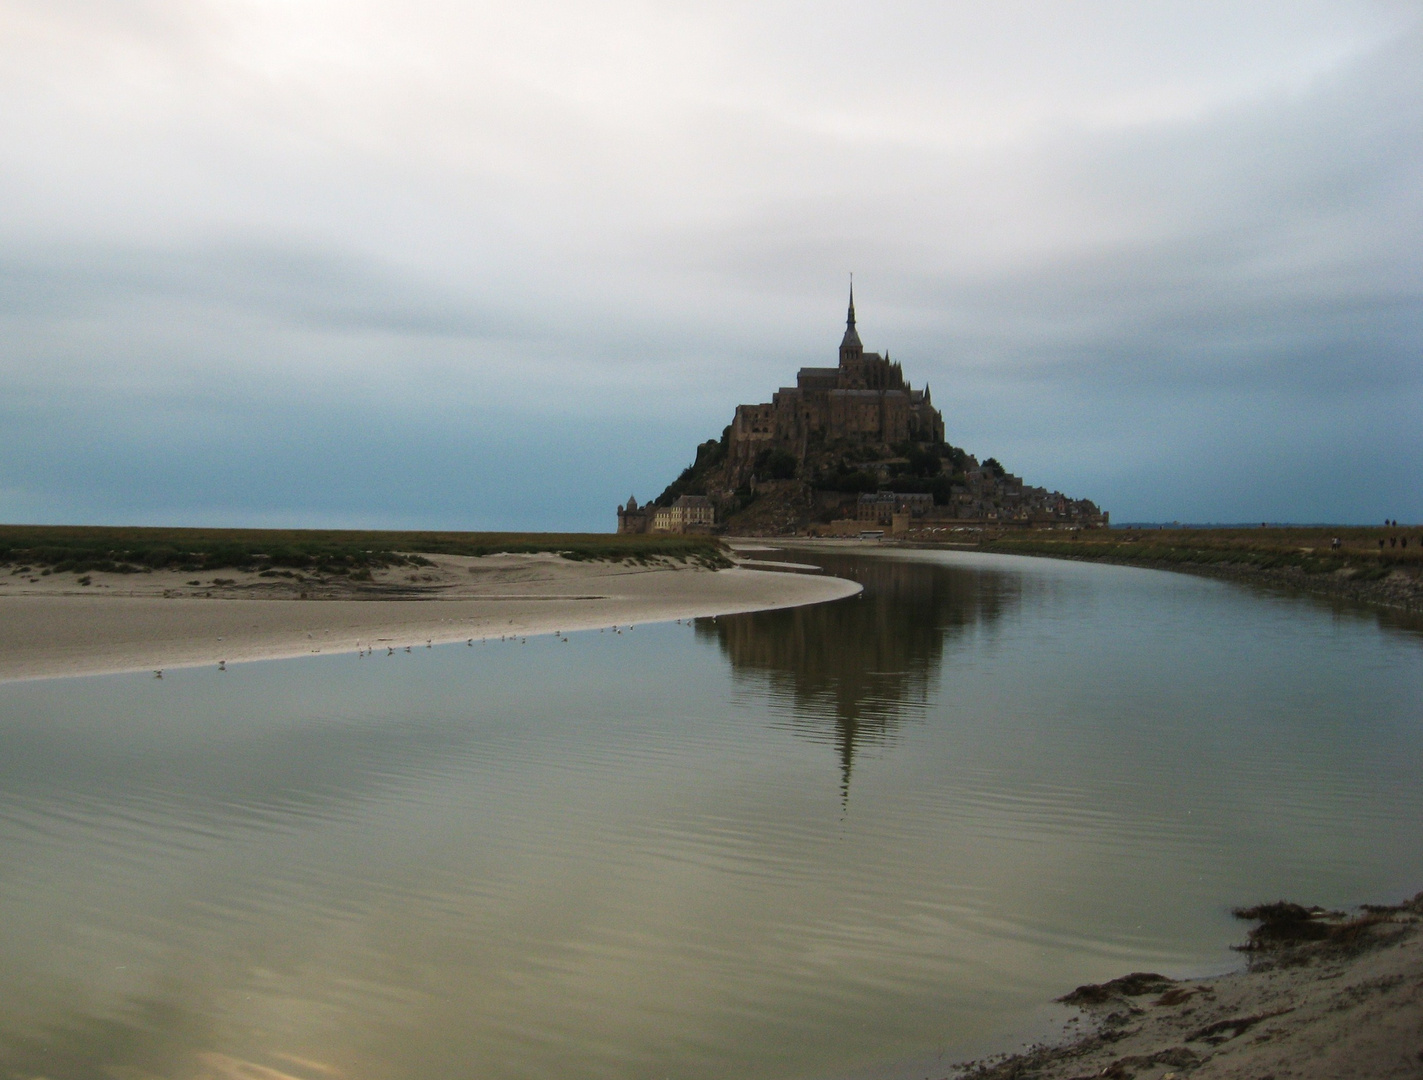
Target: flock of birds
x=369 y=649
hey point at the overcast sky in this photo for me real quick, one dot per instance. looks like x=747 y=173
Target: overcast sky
x=463 y=265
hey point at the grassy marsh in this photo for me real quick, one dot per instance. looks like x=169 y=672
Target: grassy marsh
x=85 y=548
x=1363 y=553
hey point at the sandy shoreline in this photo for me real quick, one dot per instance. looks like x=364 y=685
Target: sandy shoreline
x=51 y=626
x=1399 y=589
x=1397 y=592
x=1327 y=996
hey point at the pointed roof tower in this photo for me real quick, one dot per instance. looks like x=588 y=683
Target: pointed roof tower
x=850 y=346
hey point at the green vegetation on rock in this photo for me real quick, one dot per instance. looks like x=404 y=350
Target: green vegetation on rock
x=693 y=480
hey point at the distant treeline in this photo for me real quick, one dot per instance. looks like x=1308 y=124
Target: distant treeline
x=125 y=550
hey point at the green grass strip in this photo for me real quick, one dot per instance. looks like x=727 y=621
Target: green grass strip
x=83 y=548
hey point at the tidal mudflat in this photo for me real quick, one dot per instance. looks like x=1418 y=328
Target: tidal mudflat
x=865 y=838
x=52 y=624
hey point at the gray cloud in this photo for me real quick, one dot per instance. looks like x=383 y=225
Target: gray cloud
x=1162 y=255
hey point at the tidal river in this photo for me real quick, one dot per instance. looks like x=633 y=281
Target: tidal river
x=864 y=839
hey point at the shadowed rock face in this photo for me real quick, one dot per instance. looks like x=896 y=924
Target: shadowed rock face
x=853 y=672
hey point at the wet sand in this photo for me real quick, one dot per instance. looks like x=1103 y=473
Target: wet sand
x=1347 y=1005
x=52 y=626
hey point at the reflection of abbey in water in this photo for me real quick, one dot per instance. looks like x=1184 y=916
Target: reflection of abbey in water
x=851 y=673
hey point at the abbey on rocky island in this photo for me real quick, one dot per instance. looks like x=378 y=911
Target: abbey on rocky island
x=847 y=447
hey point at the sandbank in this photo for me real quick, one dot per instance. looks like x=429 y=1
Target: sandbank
x=1346 y=1004
x=52 y=626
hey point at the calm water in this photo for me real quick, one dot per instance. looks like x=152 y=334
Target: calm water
x=875 y=833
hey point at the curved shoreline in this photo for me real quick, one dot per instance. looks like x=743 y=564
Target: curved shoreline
x=1340 y=563
x=1400 y=594
x=1326 y=995
x=64 y=631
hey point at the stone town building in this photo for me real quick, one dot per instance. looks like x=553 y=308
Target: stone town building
x=690 y=513
x=685 y=515
x=880 y=507
x=864 y=399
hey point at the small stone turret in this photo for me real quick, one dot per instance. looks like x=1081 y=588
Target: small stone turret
x=632 y=519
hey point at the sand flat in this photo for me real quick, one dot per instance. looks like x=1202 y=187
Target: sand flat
x=1346 y=1007
x=53 y=626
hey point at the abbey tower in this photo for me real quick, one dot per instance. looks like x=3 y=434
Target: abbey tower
x=863 y=400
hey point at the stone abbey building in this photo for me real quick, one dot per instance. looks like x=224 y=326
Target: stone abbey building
x=846 y=447
x=864 y=399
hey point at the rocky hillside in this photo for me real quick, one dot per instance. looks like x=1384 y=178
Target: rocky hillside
x=780 y=493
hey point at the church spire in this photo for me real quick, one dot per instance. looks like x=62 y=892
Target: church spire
x=850 y=347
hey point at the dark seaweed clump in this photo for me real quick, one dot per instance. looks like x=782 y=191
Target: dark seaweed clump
x=1133 y=985
x=1285 y=925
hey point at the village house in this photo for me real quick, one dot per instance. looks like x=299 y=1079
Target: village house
x=881 y=507
x=690 y=513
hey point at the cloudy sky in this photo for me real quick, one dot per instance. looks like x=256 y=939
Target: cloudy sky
x=465 y=265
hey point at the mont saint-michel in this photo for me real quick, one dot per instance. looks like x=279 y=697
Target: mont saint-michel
x=846 y=448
